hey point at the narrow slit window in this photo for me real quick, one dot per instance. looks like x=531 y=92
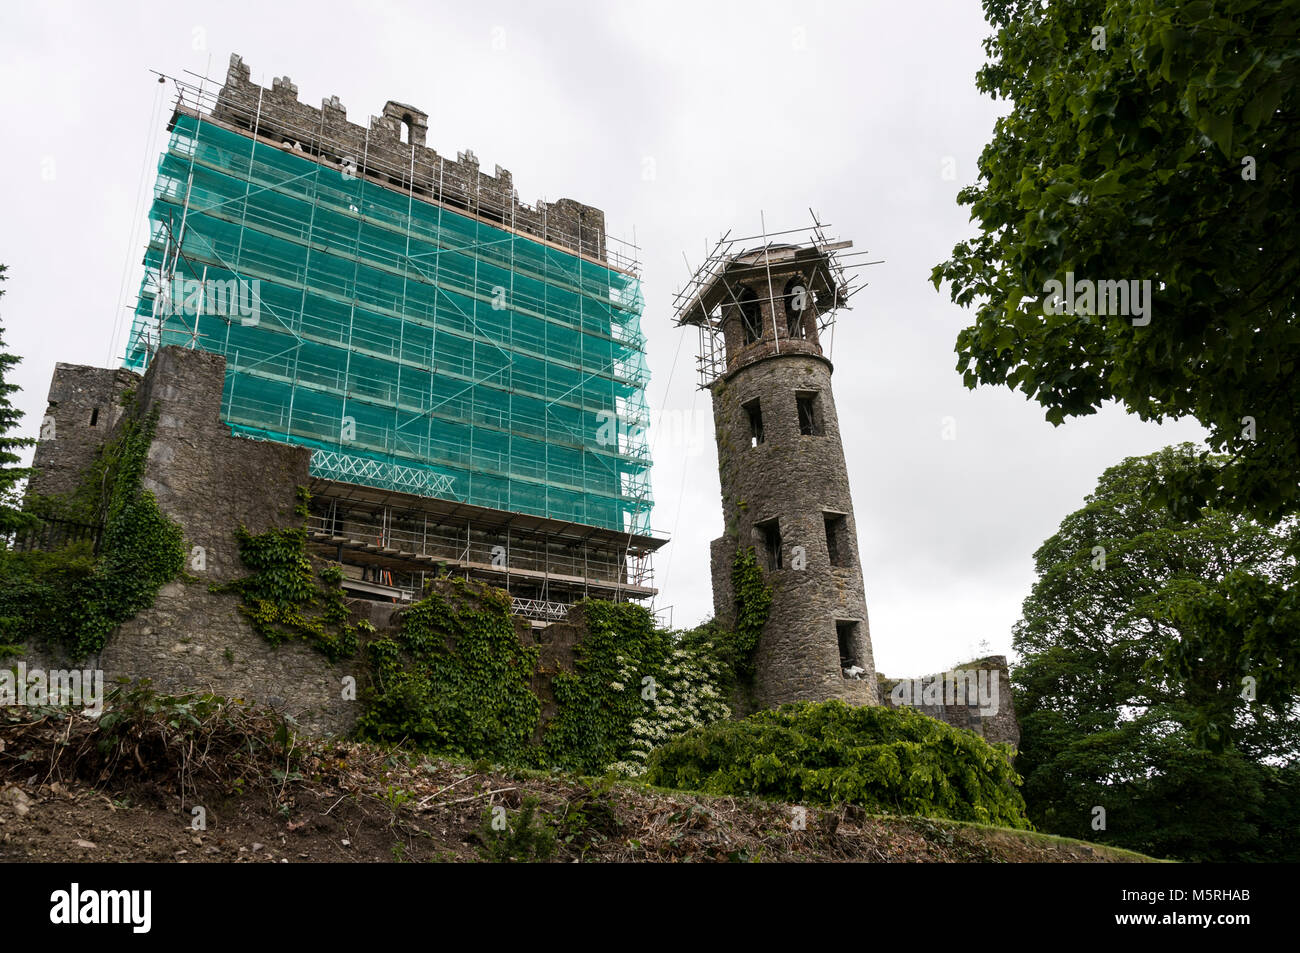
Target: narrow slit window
x=94 y=416
x=837 y=542
x=754 y=413
x=810 y=413
x=770 y=532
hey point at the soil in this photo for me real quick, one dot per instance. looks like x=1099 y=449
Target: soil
x=351 y=802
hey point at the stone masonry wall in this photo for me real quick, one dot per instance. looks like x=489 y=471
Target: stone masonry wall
x=960 y=709
x=210 y=482
x=84 y=408
x=794 y=479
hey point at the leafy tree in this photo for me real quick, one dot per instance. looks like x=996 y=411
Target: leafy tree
x=11 y=475
x=1153 y=140
x=1103 y=727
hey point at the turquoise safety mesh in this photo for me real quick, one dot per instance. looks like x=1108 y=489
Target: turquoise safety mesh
x=411 y=347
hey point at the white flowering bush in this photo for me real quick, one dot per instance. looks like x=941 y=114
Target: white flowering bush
x=687 y=695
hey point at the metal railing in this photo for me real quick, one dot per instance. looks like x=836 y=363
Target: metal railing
x=50 y=534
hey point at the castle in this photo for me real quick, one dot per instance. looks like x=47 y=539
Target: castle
x=459 y=379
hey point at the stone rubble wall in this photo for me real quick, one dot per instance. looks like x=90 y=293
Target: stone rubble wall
x=209 y=482
x=996 y=728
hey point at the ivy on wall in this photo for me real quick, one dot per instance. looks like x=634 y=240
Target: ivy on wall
x=454 y=677
x=619 y=668
x=286 y=597
x=72 y=597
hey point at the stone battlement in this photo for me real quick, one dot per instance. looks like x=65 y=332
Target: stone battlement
x=392 y=151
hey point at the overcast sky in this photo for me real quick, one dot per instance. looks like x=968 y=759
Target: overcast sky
x=680 y=120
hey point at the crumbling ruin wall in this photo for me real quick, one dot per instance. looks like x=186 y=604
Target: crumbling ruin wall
x=211 y=483
x=84 y=408
x=934 y=695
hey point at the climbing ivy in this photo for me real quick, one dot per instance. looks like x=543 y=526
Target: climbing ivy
x=286 y=597
x=636 y=687
x=454 y=677
x=619 y=665
x=74 y=598
x=753 y=602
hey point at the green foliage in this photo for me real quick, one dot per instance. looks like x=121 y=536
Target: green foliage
x=454 y=678
x=520 y=840
x=1133 y=161
x=636 y=687
x=73 y=598
x=599 y=702
x=11 y=475
x=753 y=602
x=1118 y=705
x=885 y=760
x=286 y=598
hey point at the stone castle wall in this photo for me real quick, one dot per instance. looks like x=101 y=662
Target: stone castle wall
x=933 y=696
x=209 y=482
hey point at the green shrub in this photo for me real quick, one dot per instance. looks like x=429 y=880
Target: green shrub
x=885 y=760
x=72 y=597
x=515 y=839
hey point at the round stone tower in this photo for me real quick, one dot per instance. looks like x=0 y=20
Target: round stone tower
x=763 y=313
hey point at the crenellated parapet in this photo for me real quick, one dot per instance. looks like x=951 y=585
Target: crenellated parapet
x=392 y=150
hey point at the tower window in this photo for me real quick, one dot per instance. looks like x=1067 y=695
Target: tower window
x=810 y=413
x=837 y=538
x=755 y=414
x=770 y=532
x=751 y=315
x=406 y=128
x=846 y=633
x=94 y=416
x=796 y=303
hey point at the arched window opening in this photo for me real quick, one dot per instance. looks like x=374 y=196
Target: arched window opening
x=797 y=299
x=751 y=316
x=406 y=128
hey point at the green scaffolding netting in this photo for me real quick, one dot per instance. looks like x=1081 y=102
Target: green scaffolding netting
x=409 y=346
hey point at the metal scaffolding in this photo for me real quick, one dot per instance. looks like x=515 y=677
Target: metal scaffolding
x=411 y=345
x=709 y=293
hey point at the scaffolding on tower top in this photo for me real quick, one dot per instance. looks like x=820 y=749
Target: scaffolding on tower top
x=832 y=278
